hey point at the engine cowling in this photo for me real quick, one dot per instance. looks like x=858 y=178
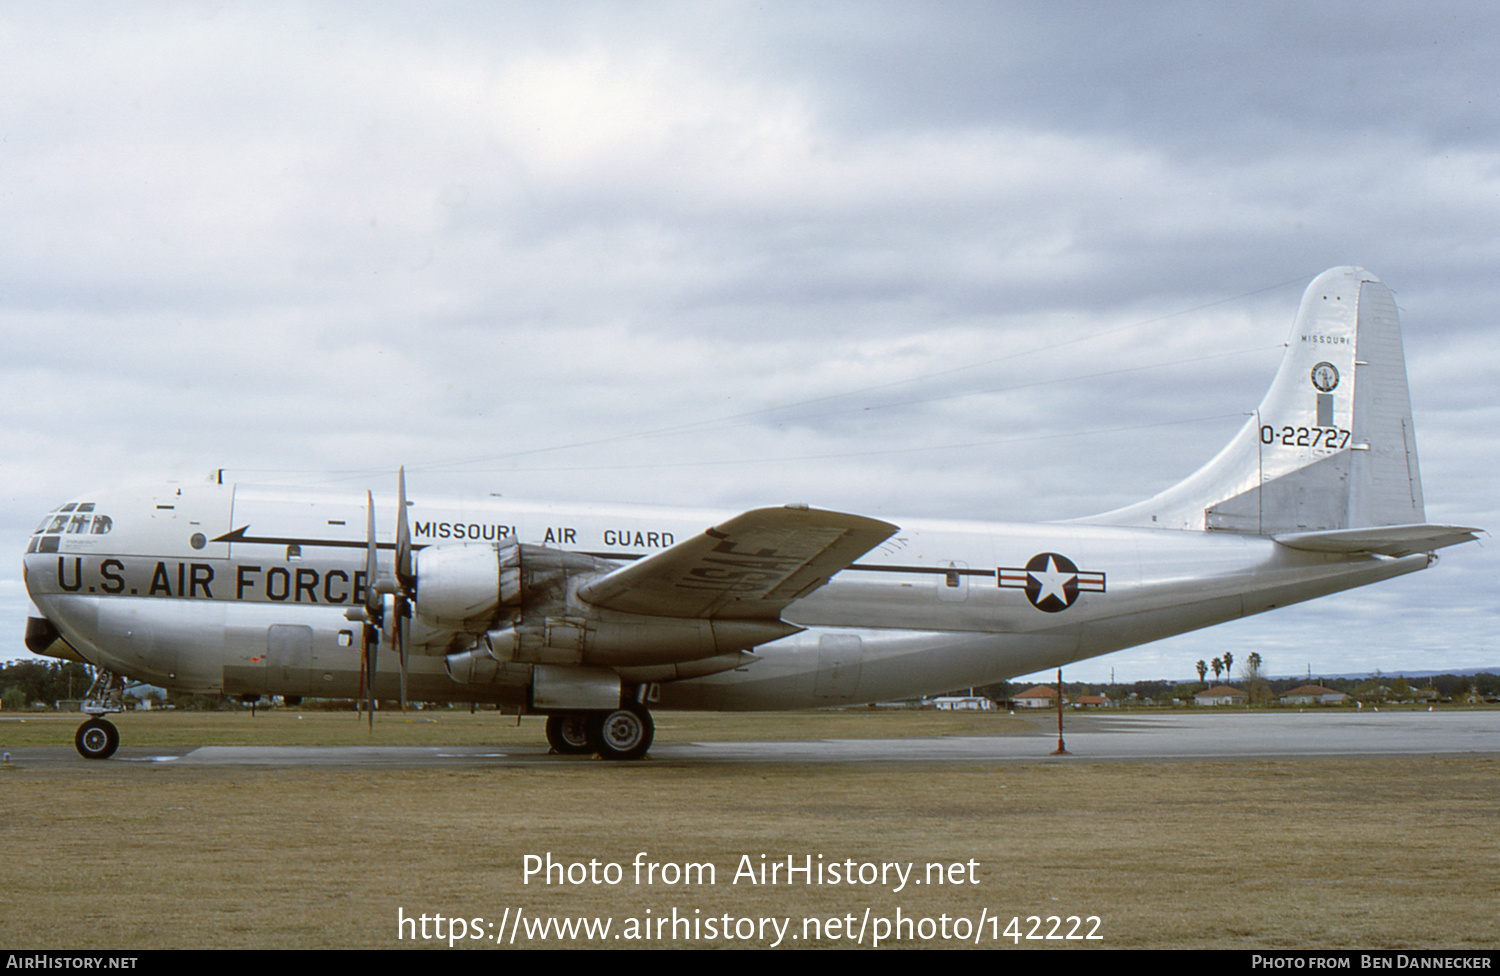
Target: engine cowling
x=466 y=587
x=509 y=603
x=607 y=639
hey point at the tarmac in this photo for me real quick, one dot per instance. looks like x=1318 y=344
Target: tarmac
x=1088 y=738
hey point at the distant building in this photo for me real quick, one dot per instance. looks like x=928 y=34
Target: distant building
x=1314 y=695
x=1222 y=695
x=1091 y=701
x=962 y=703
x=1037 y=696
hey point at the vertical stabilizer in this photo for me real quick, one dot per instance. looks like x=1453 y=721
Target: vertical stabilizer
x=1330 y=447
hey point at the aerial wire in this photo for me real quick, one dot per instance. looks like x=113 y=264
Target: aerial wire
x=745 y=418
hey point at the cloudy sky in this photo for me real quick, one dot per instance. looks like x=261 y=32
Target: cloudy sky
x=981 y=260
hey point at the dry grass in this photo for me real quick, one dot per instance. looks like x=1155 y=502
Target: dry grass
x=1378 y=853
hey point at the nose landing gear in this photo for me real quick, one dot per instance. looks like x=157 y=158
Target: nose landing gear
x=97 y=739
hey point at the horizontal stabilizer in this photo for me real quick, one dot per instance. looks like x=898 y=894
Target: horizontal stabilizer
x=749 y=568
x=1382 y=540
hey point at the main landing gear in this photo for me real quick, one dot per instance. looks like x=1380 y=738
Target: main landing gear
x=568 y=734
x=622 y=733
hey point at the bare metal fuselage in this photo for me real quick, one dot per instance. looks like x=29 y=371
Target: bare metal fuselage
x=244 y=591
x=591 y=615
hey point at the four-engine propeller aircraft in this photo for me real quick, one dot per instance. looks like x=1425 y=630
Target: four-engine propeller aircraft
x=591 y=615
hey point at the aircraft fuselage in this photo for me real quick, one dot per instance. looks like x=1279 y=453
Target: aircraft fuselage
x=244 y=591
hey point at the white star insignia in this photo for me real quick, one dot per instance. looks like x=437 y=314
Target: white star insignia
x=1052 y=581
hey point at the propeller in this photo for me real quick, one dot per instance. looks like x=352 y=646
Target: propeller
x=372 y=613
x=405 y=580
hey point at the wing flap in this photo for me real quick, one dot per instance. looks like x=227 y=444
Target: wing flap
x=1382 y=540
x=748 y=568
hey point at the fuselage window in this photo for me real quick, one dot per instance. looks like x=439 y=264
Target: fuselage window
x=102 y=524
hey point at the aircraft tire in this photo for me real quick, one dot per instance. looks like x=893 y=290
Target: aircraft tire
x=568 y=734
x=97 y=739
x=624 y=733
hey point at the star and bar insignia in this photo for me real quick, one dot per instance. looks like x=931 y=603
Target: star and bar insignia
x=1052 y=581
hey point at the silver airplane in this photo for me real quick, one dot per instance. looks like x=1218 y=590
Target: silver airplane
x=591 y=615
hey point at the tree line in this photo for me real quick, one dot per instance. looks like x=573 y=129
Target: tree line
x=24 y=683
x=1374 y=688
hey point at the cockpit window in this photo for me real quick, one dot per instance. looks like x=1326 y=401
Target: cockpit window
x=74 y=518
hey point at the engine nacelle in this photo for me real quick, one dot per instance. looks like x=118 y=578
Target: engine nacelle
x=608 y=639
x=474 y=587
x=490 y=606
x=466 y=587
x=462 y=591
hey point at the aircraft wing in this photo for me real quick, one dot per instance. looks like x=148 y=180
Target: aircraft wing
x=748 y=568
x=1383 y=540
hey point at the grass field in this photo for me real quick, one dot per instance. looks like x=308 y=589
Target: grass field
x=1253 y=854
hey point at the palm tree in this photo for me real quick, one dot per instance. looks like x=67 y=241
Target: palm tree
x=1218 y=667
x=1228 y=663
x=1202 y=670
x=1256 y=685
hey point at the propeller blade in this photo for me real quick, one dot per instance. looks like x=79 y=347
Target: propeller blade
x=364 y=663
x=372 y=643
x=405 y=582
x=374 y=612
x=372 y=594
x=398 y=634
x=364 y=656
x=403 y=536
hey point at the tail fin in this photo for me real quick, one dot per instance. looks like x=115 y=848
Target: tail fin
x=1331 y=445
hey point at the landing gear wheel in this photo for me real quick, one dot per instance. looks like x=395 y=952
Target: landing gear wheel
x=624 y=733
x=97 y=739
x=568 y=735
